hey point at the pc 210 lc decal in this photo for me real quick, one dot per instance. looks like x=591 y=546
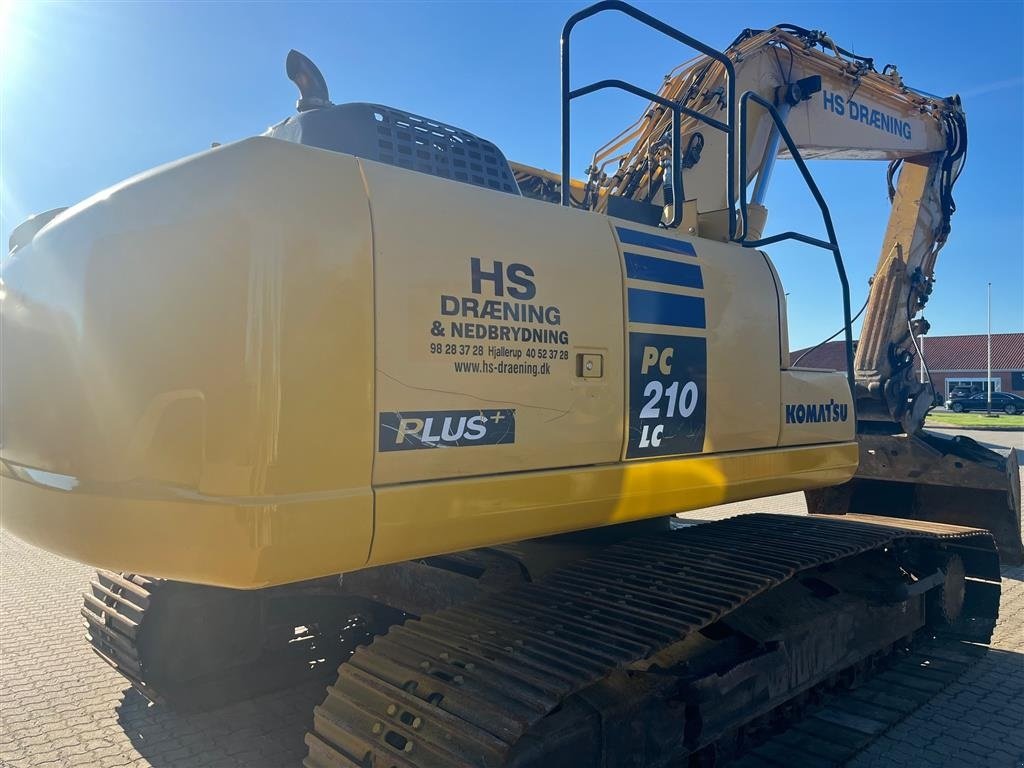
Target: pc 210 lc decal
x=667 y=394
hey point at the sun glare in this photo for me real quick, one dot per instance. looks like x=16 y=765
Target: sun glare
x=6 y=12
x=13 y=15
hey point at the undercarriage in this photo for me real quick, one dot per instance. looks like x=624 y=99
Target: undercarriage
x=649 y=644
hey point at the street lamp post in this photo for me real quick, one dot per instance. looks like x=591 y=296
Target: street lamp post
x=988 y=383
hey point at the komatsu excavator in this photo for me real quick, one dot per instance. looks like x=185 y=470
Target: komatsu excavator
x=362 y=392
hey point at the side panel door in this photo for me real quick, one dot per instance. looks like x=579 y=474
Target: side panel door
x=499 y=323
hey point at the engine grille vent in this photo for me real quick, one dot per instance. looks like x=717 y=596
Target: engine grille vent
x=425 y=145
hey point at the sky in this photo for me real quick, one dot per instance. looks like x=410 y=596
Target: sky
x=91 y=93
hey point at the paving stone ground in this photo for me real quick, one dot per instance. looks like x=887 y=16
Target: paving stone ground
x=62 y=707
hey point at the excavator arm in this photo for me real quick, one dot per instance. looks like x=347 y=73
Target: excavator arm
x=834 y=105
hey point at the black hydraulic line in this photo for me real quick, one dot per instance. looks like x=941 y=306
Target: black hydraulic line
x=677 y=179
x=728 y=127
x=890 y=177
x=812 y=36
x=914 y=340
x=956 y=148
x=820 y=344
x=695 y=84
x=634 y=179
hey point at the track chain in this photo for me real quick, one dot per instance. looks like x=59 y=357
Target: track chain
x=461 y=687
x=113 y=612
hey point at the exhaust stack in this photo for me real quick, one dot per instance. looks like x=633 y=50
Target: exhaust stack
x=313 y=93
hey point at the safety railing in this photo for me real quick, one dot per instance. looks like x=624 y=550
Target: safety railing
x=831 y=245
x=729 y=127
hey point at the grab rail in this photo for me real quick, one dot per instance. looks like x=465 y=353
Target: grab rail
x=728 y=127
x=832 y=244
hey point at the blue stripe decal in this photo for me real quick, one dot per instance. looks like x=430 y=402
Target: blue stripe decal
x=658 y=270
x=632 y=237
x=665 y=308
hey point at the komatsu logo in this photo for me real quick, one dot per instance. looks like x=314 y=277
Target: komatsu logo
x=861 y=113
x=816 y=412
x=405 y=430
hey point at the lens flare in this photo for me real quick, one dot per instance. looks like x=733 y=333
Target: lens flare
x=13 y=27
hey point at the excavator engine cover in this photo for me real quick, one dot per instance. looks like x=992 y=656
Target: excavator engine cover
x=271 y=362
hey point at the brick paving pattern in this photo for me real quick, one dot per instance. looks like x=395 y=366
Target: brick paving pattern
x=62 y=707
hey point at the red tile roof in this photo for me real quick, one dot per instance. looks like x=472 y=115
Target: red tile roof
x=943 y=353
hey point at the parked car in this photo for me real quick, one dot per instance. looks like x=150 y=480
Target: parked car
x=965 y=392
x=1001 y=401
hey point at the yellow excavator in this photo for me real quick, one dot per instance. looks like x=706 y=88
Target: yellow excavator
x=359 y=394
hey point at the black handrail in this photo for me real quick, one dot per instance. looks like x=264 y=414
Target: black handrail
x=832 y=244
x=729 y=127
x=586 y=89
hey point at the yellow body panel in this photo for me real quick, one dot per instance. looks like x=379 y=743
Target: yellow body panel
x=245 y=543
x=426 y=518
x=227 y=371
x=815 y=406
x=159 y=345
x=166 y=330
x=562 y=419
